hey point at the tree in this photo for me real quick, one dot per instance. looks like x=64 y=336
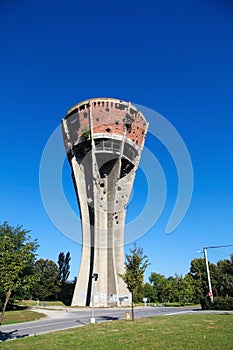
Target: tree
x=149 y=292
x=184 y=289
x=225 y=286
x=159 y=283
x=64 y=266
x=67 y=287
x=48 y=285
x=135 y=266
x=17 y=258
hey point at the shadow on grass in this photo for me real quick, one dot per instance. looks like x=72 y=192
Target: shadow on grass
x=11 y=335
x=108 y=318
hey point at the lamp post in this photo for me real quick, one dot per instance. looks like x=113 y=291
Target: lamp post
x=208 y=275
x=94 y=278
x=207 y=267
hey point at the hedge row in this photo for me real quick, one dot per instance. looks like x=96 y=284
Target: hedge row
x=218 y=304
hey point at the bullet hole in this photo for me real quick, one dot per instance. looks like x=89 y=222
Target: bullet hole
x=108 y=129
x=101 y=184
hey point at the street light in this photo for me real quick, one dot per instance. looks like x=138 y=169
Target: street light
x=207 y=267
x=208 y=273
x=94 y=278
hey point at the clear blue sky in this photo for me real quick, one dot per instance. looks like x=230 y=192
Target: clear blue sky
x=174 y=57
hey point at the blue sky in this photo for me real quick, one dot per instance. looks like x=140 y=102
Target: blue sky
x=173 y=57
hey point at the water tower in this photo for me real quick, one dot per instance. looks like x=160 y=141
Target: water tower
x=104 y=138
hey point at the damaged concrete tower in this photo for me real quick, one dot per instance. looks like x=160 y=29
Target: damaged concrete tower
x=103 y=138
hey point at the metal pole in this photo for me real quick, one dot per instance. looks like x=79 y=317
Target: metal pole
x=208 y=275
x=92 y=301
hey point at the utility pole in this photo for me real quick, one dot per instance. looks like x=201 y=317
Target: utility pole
x=208 y=275
x=207 y=267
x=94 y=278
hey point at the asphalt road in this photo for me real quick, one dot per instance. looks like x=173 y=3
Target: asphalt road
x=70 y=318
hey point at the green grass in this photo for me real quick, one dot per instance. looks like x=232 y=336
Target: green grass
x=21 y=316
x=179 y=332
x=32 y=303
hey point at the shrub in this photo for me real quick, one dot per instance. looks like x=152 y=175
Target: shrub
x=218 y=304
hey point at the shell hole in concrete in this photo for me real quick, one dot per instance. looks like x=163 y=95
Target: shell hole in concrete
x=117 y=222
x=116 y=217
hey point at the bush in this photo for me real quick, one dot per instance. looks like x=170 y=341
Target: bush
x=218 y=304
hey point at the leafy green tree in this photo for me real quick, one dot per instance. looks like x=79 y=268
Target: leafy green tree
x=48 y=286
x=64 y=266
x=225 y=286
x=17 y=258
x=184 y=289
x=159 y=283
x=67 y=287
x=135 y=266
x=169 y=290
x=149 y=292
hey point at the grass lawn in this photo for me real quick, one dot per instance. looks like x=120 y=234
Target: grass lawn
x=32 y=303
x=21 y=316
x=179 y=332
